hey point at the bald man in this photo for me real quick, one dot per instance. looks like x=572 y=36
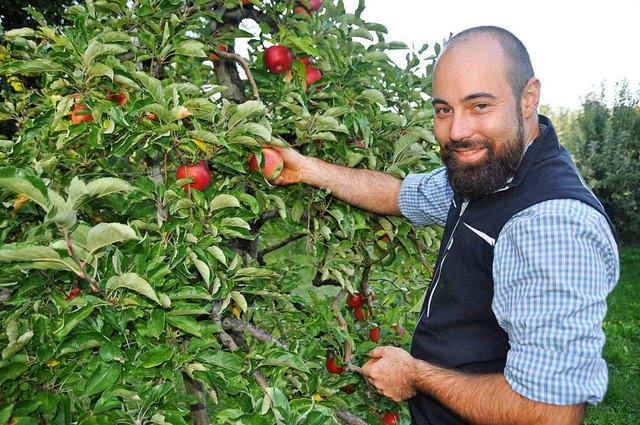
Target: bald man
x=511 y=327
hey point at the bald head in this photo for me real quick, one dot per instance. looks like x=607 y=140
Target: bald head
x=517 y=63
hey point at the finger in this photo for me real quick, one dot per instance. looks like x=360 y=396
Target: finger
x=377 y=352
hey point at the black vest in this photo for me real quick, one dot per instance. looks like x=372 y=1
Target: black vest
x=457 y=328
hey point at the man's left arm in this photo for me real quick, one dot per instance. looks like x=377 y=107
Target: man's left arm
x=479 y=399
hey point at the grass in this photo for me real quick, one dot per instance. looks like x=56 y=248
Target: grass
x=621 y=404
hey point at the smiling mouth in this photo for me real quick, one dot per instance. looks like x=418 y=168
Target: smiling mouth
x=470 y=155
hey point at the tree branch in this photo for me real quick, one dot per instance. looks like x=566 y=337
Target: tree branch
x=230 y=323
x=279 y=245
x=349 y=418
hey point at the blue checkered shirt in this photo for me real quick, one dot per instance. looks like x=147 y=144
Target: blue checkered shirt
x=554 y=265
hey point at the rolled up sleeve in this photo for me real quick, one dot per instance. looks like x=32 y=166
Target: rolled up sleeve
x=555 y=264
x=425 y=198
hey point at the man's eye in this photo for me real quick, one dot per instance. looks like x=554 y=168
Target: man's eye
x=443 y=111
x=482 y=106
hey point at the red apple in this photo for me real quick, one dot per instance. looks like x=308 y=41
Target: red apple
x=213 y=55
x=306 y=60
x=119 y=98
x=374 y=334
x=313 y=75
x=271 y=163
x=199 y=172
x=349 y=389
x=300 y=10
x=278 y=59
x=315 y=4
x=400 y=330
x=355 y=300
x=332 y=366
x=361 y=313
x=390 y=418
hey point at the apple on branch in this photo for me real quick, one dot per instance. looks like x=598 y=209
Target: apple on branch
x=199 y=172
x=278 y=59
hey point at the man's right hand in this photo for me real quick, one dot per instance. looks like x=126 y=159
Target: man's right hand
x=293 y=166
x=373 y=191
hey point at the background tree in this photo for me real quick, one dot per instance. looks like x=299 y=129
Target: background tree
x=131 y=294
x=13 y=14
x=606 y=144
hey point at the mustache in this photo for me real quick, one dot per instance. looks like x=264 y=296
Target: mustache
x=453 y=145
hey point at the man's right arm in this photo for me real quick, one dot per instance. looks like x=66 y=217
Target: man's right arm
x=373 y=191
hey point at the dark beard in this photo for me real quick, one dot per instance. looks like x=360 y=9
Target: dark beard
x=477 y=180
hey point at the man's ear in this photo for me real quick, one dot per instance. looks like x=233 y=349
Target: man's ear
x=530 y=98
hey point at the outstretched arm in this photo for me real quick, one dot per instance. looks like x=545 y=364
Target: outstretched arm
x=373 y=191
x=480 y=399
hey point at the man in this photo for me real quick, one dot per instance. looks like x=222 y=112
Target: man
x=511 y=327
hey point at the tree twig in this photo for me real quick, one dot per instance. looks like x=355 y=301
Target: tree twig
x=231 y=323
x=245 y=67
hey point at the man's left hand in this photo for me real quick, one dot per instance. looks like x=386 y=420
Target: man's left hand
x=390 y=370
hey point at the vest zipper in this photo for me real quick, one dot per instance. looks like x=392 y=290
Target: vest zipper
x=444 y=257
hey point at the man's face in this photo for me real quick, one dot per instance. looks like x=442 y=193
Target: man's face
x=497 y=161
x=478 y=122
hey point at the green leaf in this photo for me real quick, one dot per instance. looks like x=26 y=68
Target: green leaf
x=224 y=201
x=72 y=320
x=221 y=359
x=153 y=86
x=37 y=257
x=374 y=96
x=102 y=378
x=235 y=222
x=18 y=181
x=185 y=323
x=133 y=282
x=287 y=360
x=107 y=186
x=245 y=110
x=156 y=356
x=253 y=272
x=31 y=67
x=157 y=322
x=377 y=56
x=16 y=345
x=104 y=234
x=191 y=48
x=11 y=371
x=19 y=33
x=96 y=49
x=100 y=70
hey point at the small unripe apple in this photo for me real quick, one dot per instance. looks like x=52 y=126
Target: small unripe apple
x=361 y=313
x=313 y=75
x=278 y=59
x=390 y=418
x=374 y=334
x=213 y=55
x=332 y=366
x=349 y=389
x=272 y=163
x=199 y=172
x=400 y=330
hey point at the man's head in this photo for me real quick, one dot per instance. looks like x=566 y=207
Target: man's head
x=486 y=98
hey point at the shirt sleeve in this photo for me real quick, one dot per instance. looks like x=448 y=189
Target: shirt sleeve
x=425 y=198
x=554 y=265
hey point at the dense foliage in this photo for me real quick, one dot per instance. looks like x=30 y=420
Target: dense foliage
x=605 y=142
x=127 y=297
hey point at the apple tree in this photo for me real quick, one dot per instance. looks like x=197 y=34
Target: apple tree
x=148 y=273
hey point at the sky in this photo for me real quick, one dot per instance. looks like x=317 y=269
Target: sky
x=574 y=45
